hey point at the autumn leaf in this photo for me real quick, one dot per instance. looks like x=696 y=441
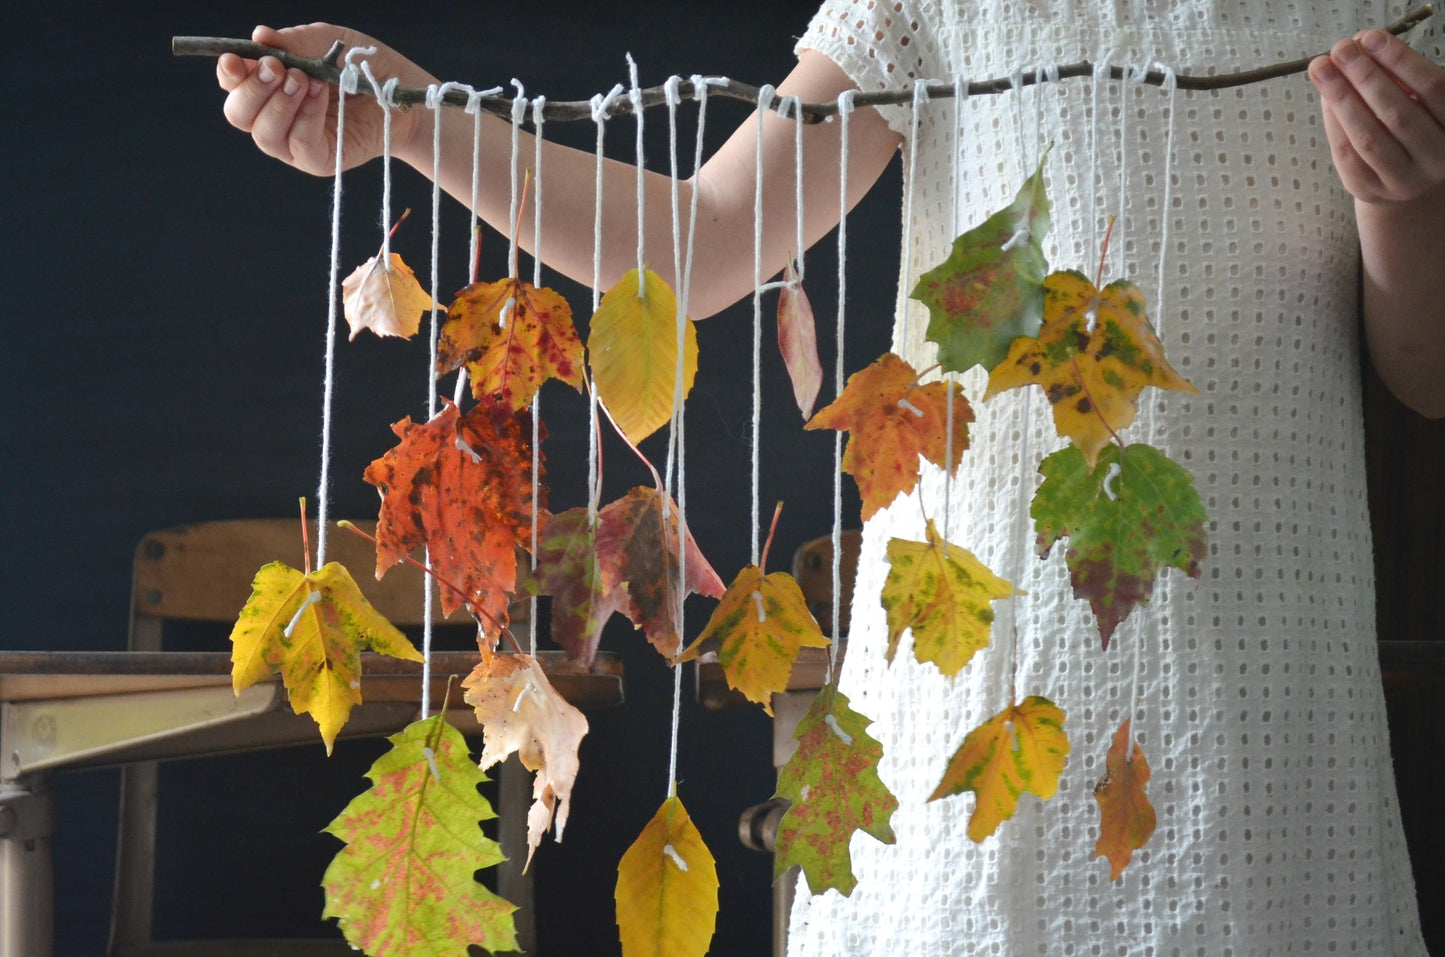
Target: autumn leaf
x=403 y=885
x=1022 y=748
x=757 y=630
x=511 y=336
x=1095 y=353
x=384 y=296
x=944 y=594
x=989 y=291
x=831 y=783
x=1126 y=816
x=584 y=590
x=1133 y=515
x=632 y=342
x=798 y=341
x=462 y=486
x=637 y=542
x=312 y=629
x=520 y=711
x=667 y=889
x=893 y=420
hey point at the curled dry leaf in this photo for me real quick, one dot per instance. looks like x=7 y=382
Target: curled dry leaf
x=520 y=711
x=1126 y=818
x=384 y=296
x=798 y=341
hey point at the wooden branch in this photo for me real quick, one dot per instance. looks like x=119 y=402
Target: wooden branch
x=326 y=69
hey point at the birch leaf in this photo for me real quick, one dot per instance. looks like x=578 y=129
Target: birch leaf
x=798 y=341
x=384 y=296
x=404 y=885
x=632 y=342
x=945 y=595
x=667 y=889
x=1126 y=817
x=1022 y=748
x=312 y=629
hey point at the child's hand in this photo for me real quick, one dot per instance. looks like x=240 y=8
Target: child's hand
x=293 y=117
x=1384 y=113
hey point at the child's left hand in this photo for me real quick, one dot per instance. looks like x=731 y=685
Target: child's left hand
x=1384 y=114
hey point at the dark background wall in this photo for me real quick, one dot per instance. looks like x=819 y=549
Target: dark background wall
x=161 y=364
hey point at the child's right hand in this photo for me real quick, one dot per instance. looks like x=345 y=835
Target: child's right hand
x=293 y=117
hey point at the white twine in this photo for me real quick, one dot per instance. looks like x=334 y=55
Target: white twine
x=474 y=107
x=538 y=106
x=519 y=113
x=766 y=96
x=385 y=93
x=634 y=94
x=920 y=96
x=1101 y=73
x=601 y=106
x=960 y=94
x=845 y=109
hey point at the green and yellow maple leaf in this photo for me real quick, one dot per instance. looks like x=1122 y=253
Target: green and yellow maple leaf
x=1095 y=353
x=667 y=888
x=311 y=628
x=944 y=594
x=632 y=345
x=892 y=420
x=1126 y=817
x=1022 y=748
x=404 y=884
x=757 y=629
x=989 y=291
x=831 y=783
x=1126 y=519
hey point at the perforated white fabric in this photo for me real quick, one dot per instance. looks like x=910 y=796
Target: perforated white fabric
x=1261 y=706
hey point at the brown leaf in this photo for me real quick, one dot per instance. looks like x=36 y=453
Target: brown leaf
x=1127 y=818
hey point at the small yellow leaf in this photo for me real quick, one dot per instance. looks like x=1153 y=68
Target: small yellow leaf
x=667 y=889
x=1126 y=817
x=385 y=298
x=944 y=594
x=632 y=343
x=1022 y=748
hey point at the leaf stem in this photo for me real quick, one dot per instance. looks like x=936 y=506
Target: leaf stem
x=1104 y=254
x=399 y=220
x=305 y=540
x=763 y=559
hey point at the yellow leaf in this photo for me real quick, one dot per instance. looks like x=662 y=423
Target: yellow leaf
x=312 y=629
x=385 y=298
x=667 y=889
x=944 y=594
x=1022 y=748
x=1126 y=817
x=633 y=347
x=757 y=629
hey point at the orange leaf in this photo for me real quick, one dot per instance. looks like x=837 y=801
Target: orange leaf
x=384 y=297
x=1126 y=816
x=893 y=420
x=511 y=336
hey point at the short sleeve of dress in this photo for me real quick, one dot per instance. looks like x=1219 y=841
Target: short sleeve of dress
x=880 y=44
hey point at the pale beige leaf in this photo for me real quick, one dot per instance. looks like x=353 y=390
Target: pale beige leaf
x=385 y=298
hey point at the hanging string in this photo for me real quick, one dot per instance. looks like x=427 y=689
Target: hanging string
x=519 y=113
x=765 y=103
x=1101 y=73
x=474 y=107
x=1133 y=77
x=601 y=107
x=845 y=109
x=960 y=94
x=384 y=92
x=905 y=314
x=538 y=106
x=346 y=86
x=634 y=94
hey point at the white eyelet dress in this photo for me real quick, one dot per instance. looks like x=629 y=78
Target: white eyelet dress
x=1259 y=703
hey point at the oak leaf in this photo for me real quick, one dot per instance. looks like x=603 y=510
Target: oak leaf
x=892 y=420
x=520 y=711
x=989 y=291
x=667 y=888
x=1022 y=748
x=1126 y=519
x=632 y=343
x=585 y=590
x=511 y=336
x=404 y=885
x=1095 y=353
x=462 y=486
x=831 y=783
x=384 y=296
x=944 y=594
x=757 y=629
x=798 y=341
x=637 y=541
x=1126 y=817
x=312 y=629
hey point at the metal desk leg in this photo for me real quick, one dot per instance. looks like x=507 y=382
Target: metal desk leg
x=27 y=872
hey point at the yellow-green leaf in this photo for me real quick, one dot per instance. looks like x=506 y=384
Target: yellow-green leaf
x=757 y=630
x=404 y=884
x=944 y=594
x=312 y=629
x=667 y=889
x=1022 y=748
x=632 y=344
x=1126 y=818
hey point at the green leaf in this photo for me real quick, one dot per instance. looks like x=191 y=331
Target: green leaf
x=990 y=289
x=833 y=784
x=1126 y=519
x=403 y=886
